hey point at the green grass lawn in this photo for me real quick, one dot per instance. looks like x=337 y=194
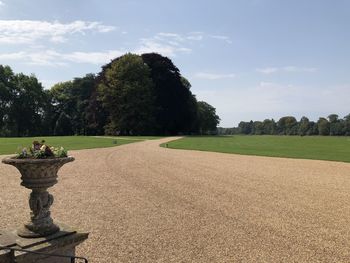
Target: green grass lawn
x=307 y=147
x=12 y=145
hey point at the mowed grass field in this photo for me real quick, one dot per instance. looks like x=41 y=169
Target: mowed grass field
x=13 y=145
x=307 y=147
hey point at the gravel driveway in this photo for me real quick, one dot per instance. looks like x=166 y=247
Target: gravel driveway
x=143 y=203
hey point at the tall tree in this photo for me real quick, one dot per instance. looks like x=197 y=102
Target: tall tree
x=269 y=126
x=22 y=104
x=304 y=126
x=207 y=118
x=63 y=125
x=127 y=92
x=336 y=126
x=323 y=126
x=7 y=85
x=313 y=128
x=174 y=102
x=74 y=99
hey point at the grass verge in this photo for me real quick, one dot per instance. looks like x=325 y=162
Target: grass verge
x=307 y=147
x=13 y=145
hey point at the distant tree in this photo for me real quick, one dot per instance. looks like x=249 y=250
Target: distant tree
x=7 y=86
x=22 y=102
x=207 y=118
x=127 y=93
x=49 y=117
x=333 y=118
x=304 y=126
x=313 y=130
x=246 y=127
x=269 y=126
x=73 y=98
x=227 y=131
x=258 y=128
x=63 y=125
x=337 y=126
x=96 y=115
x=287 y=125
x=347 y=125
x=323 y=126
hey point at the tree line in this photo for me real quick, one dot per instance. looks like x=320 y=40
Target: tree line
x=132 y=95
x=288 y=125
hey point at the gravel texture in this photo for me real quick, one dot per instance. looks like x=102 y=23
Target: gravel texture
x=144 y=203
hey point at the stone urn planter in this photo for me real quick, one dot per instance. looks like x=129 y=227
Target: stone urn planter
x=38 y=175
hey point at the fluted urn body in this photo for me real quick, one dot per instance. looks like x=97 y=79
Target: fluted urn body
x=38 y=175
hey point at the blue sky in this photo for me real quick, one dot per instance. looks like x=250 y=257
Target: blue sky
x=251 y=59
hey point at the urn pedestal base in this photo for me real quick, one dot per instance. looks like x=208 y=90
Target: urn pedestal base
x=26 y=232
x=62 y=242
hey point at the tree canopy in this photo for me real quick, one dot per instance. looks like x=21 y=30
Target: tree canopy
x=22 y=104
x=127 y=93
x=207 y=118
x=132 y=95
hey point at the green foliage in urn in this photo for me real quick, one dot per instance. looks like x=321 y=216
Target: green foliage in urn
x=42 y=151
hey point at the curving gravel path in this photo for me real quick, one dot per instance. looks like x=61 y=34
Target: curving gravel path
x=143 y=203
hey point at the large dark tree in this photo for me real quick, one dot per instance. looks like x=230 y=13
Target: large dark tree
x=174 y=102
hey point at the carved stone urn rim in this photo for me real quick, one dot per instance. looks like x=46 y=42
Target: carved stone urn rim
x=13 y=160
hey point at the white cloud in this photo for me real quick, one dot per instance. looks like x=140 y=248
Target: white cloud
x=164 y=36
x=2 y=3
x=296 y=69
x=167 y=44
x=30 y=31
x=212 y=76
x=197 y=36
x=270 y=70
x=54 y=58
x=93 y=57
x=220 y=37
x=170 y=44
x=38 y=53
x=267 y=70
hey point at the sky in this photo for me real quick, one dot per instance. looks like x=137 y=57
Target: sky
x=250 y=59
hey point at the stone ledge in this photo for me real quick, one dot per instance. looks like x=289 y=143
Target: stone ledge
x=62 y=242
